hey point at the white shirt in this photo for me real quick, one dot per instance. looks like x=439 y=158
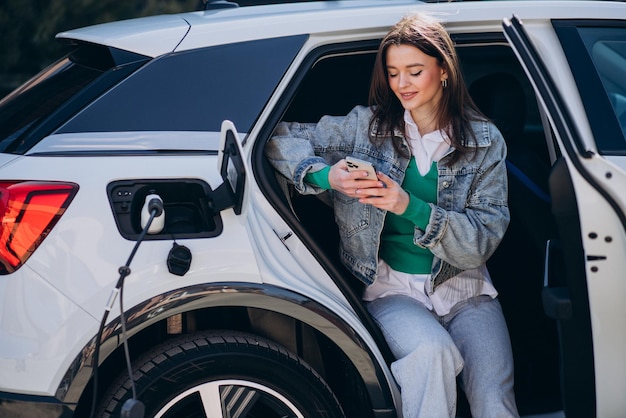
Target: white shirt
x=467 y=284
x=426 y=149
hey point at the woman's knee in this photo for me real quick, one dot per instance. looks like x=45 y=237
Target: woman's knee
x=435 y=350
x=439 y=342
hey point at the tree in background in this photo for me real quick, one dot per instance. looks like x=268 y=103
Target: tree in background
x=27 y=42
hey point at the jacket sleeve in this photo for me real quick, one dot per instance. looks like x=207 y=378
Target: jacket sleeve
x=295 y=149
x=467 y=238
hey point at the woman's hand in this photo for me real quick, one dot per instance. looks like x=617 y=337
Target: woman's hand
x=391 y=197
x=347 y=182
x=383 y=192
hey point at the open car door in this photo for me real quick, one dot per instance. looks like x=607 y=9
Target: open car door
x=584 y=284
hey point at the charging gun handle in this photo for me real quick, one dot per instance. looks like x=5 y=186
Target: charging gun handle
x=153 y=205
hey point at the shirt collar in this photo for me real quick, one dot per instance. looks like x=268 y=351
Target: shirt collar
x=428 y=148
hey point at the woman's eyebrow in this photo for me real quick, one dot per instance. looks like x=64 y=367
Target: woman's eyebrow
x=408 y=66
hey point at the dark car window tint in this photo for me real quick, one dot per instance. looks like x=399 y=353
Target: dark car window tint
x=597 y=56
x=607 y=48
x=36 y=106
x=333 y=86
x=193 y=90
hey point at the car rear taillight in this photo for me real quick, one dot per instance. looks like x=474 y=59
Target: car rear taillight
x=28 y=211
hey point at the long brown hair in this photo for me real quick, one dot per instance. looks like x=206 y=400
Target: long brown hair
x=455 y=110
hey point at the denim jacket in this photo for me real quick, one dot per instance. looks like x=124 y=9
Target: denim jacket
x=467 y=223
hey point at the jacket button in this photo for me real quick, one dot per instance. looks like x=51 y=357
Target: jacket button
x=446 y=184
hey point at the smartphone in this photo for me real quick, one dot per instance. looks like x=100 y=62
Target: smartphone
x=354 y=164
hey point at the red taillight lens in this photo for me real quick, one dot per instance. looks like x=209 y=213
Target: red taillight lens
x=28 y=211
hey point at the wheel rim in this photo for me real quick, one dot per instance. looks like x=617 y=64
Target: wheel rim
x=230 y=399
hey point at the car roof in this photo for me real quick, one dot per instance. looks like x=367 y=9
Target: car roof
x=156 y=35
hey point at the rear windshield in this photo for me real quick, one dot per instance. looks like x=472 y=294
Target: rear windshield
x=193 y=90
x=44 y=102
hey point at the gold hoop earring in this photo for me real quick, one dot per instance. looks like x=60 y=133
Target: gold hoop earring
x=444 y=83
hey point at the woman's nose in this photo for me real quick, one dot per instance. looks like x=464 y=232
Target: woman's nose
x=404 y=80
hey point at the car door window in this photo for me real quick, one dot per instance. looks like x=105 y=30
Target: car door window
x=607 y=48
x=597 y=55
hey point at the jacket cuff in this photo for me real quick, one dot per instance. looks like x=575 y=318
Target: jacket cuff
x=431 y=234
x=311 y=164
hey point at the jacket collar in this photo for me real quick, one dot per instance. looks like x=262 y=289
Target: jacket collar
x=480 y=138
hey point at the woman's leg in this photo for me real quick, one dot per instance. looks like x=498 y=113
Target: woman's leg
x=480 y=332
x=428 y=361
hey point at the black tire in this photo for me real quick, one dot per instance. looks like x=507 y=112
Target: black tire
x=232 y=374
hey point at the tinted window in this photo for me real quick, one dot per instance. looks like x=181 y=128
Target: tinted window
x=41 y=104
x=333 y=86
x=193 y=90
x=607 y=48
x=597 y=55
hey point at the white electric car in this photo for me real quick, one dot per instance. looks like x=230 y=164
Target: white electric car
x=133 y=179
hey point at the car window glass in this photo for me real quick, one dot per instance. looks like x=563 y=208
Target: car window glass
x=42 y=95
x=607 y=48
x=597 y=57
x=333 y=86
x=193 y=90
x=48 y=99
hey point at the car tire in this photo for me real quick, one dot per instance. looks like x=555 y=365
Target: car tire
x=222 y=374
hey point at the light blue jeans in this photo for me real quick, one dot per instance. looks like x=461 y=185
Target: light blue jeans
x=472 y=340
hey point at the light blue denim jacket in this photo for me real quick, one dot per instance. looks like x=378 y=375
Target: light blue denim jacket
x=467 y=223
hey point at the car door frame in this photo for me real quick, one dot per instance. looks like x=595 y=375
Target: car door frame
x=581 y=265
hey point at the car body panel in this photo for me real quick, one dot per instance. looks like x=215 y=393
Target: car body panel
x=259 y=250
x=129 y=142
x=151 y=36
x=38 y=333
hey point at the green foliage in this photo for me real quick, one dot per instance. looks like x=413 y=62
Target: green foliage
x=27 y=41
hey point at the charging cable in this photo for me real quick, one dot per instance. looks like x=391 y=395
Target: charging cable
x=132 y=408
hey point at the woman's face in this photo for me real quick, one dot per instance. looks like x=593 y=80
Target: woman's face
x=415 y=78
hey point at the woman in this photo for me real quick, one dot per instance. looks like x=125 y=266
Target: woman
x=420 y=233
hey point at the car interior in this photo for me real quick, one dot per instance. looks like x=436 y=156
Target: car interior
x=337 y=80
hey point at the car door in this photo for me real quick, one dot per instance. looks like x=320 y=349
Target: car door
x=582 y=95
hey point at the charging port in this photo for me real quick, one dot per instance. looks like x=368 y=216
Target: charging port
x=185 y=202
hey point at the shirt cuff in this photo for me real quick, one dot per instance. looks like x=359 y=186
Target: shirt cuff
x=319 y=178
